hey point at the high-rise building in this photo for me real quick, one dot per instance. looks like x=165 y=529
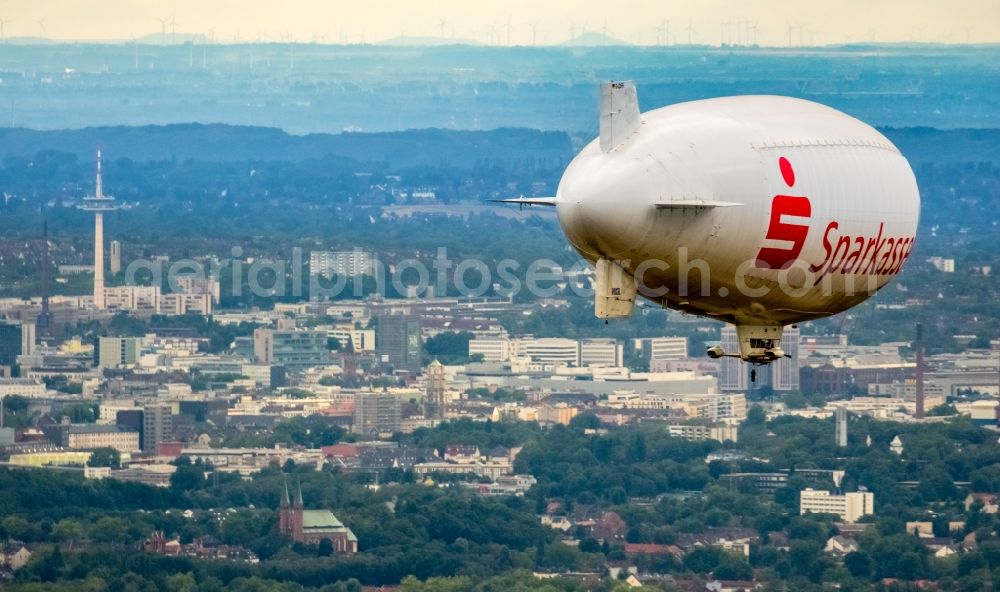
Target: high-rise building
x=290 y=347
x=27 y=339
x=128 y=419
x=399 y=341
x=733 y=372
x=377 y=414
x=98 y=203
x=785 y=372
x=841 y=426
x=341 y=263
x=113 y=352
x=116 y=258
x=434 y=400
x=780 y=375
x=157 y=426
x=44 y=318
x=10 y=344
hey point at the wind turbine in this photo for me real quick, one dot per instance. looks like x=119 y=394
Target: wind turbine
x=507 y=28
x=135 y=48
x=690 y=30
x=163 y=28
x=3 y=39
x=41 y=26
x=173 y=30
x=791 y=28
x=666 y=31
x=534 y=32
x=441 y=25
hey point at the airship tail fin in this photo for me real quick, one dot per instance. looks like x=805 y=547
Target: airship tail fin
x=619 y=113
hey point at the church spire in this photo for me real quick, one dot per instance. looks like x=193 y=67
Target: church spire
x=298 y=493
x=285 y=502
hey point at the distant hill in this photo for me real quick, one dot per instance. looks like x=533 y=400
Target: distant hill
x=925 y=144
x=222 y=143
x=415 y=41
x=230 y=143
x=593 y=39
x=172 y=39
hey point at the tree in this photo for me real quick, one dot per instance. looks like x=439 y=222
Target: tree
x=703 y=560
x=50 y=566
x=859 y=564
x=17 y=527
x=105 y=457
x=756 y=416
x=449 y=346
x=109 y=529
x=68 y=530
x=733 y=568
x=187 y=476
x=182 y=582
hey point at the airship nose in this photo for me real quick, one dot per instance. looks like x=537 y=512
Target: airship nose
x=596 y=220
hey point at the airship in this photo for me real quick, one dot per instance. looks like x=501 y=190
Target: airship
x=758 y=211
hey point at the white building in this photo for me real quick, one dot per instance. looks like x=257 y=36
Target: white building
x=699 y=433
x=655 y=349
x=942 y=264
x=182 y=304
x=601 y=352
x=118 y=351
x=24 y=387
x=341 y=263
x=492 y=349
x=716 y=407
x=849 y=506
x=552 y=350
x=197 y=285
x=363 y=340
x=27 y=339
x=107 y=412
x=132 y=298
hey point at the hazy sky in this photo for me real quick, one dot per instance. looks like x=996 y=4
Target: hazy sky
x=541 y=21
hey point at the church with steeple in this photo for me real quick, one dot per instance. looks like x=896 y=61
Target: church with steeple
x=312 y=526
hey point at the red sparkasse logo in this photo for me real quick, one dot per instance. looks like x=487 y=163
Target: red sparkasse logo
x=779 y=230
x=845 y=253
